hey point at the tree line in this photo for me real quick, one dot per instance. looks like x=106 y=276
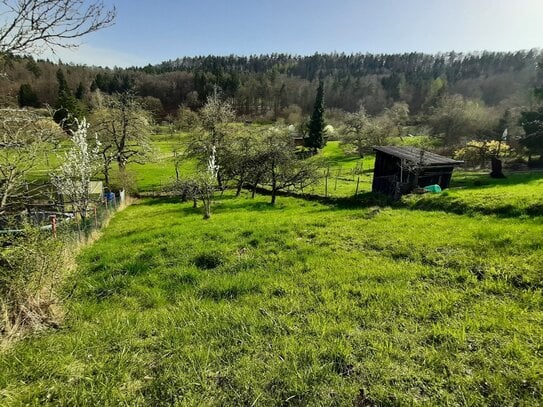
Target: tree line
x=275 y=86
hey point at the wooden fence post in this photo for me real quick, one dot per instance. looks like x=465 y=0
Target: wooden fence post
x=357 y=184
x=327 y=173
x=54 y=225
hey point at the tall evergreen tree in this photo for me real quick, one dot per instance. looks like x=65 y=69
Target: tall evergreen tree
x=27 y=96
x=315 y=136
x=80 y=91
x=66 y=106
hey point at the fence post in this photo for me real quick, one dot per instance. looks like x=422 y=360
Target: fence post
x=95 y=218
x=326 y=181
x=357 y=184
x=54 y=225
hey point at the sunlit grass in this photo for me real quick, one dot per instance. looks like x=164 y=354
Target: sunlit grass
x=436 y=300
x=301 y=303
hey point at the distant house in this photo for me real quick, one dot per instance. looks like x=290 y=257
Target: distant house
x=400 y=169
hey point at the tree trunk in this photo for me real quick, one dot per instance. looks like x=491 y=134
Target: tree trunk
x=273 y=184
x=255 y=186
x=497 y=171
x=238 y=189
x=106 y=175
x=360 y=149
x=207 y=209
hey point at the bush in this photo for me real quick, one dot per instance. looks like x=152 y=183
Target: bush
x=124 y=180
x=31 y=265
x=478 y=153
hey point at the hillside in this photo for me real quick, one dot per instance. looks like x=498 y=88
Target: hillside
x=282 y=85
x=302 y=303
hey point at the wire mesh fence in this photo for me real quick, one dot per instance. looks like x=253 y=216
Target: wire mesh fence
x=61 y=220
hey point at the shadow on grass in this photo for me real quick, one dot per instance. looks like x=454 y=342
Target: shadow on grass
x=444 y=203
x=458 y=206
x=479 y=180
x=362 y=200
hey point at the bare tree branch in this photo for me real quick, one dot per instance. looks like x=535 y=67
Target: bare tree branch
x=36 y=25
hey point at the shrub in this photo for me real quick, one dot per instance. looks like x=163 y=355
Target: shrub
x=31 y=265
x=477 y=153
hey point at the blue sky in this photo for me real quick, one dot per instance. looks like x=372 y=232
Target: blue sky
x=153 y=31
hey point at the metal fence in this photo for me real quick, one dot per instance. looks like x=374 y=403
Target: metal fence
x=62 y=221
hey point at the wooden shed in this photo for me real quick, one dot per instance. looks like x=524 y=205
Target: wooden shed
x=299 y=141
x=400 y=169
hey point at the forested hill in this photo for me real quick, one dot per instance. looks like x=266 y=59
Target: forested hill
x=454 y=66
x=281 y=85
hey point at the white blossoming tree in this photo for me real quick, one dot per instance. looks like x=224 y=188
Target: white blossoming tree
x=81 y=163
x=207 y=182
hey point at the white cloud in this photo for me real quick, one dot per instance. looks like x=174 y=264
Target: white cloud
x=90 y=55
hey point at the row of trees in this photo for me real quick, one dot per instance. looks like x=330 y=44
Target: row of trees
x=269 y=87
x=241 y=156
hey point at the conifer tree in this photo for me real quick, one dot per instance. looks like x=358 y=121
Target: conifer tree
x=315 y=137
x=66 y=106
x=27 y=96
x=80 y=91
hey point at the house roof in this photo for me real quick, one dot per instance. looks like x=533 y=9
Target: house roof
x=413 y=154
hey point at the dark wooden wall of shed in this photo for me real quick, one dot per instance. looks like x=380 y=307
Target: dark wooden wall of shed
x=386 y=165
x=387 y=172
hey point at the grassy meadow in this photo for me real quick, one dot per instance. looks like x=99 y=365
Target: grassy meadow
x=435 y=300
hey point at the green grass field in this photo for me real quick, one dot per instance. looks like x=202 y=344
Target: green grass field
x=299 y=304
x=435 y=300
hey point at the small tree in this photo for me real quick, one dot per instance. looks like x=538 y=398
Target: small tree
x=532 y=123
x=241 y=158
x=187 y=119
x=283 y=168
x=477 y=153
x=207 y=181
x=492 y=144
x=315 y=136
x=214 y=117
x=24 y=136
x=73 y=177
x=215 y=113
x=185 y=189
x=355 y=132
x=123 y=129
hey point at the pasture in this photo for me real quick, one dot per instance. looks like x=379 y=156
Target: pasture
x=432 y=300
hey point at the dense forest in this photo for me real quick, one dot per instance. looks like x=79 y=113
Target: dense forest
x=280 y=85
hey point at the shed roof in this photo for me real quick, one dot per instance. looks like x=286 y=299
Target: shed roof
x=413 y=154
